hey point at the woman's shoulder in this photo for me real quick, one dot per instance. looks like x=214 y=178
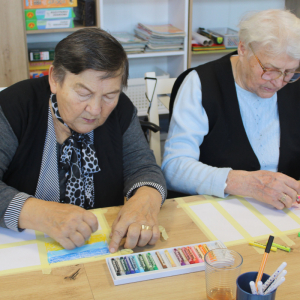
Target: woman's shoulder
x=25 y=91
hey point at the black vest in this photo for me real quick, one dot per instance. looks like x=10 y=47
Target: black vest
x=227 y=144
x=25 y=105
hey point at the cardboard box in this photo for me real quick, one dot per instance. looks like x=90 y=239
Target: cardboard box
x=49 y=13
x=49 y=24
x=49 y=3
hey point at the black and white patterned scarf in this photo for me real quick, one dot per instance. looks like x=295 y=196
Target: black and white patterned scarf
x=78 y=159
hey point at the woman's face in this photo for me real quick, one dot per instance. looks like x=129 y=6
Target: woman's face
x=251 y=71
x=85 y=100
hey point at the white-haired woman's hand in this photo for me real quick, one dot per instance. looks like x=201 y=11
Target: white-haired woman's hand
x=68 y=224
x=273 y=188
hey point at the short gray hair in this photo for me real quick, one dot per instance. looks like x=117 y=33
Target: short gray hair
x=277 y=31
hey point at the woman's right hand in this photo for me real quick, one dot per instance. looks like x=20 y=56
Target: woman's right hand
x=68 y=224
x=273 y=188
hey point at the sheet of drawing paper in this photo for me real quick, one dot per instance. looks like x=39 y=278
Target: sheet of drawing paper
x=90 y=250
x=276 y=216
x=253 y=225
x=219 y=226
x=8 y=236
x=19 y=257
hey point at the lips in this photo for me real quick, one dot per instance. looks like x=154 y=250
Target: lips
x=89 y=120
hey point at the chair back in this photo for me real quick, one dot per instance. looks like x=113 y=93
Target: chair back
x=157 y=89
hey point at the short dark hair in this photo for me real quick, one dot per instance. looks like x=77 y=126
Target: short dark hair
x=90 y=48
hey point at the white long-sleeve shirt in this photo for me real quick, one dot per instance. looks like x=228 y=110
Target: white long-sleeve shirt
x=189 y=125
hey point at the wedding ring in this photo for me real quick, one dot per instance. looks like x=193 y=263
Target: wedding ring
x=146 y=227
x=283 y=198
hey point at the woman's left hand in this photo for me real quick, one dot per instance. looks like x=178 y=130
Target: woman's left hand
x=137 y=220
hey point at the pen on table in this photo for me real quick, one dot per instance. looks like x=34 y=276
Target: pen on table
x=264 y=260
x=253 y=288
x=259 y=245
x=275 y=286
x=284 y=248
x=274 y=276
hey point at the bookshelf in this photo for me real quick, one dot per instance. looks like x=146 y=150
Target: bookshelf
x=119 y=15
x=223 y=13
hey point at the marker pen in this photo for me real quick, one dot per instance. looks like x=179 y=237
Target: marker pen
x=274 y=276
x=253 y=288
x=183 y=256
x=187 y=255
x=170 y=259
x=162 y=262
x=122 y=271
x=149 y=265
x=117 y=270
x=133 y=264
x=130 y=267
x=125 y=267
x=178 y=256
x=259 y=245
x=274 y=286
x=152 y=261
x=142 y=262
x=141 y=269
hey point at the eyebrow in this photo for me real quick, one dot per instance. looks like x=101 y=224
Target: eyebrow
x=82 y=86
x=85 y=87
x=274 y=67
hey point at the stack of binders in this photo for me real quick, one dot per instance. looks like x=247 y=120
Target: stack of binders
x=42 y=15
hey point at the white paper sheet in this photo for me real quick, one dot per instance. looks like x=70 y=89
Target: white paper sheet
x=8 y=236
x=278 y=217
x=19 y=257
x=216 y=222
x=253 y=225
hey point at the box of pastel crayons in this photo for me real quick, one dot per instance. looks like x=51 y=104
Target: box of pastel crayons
x=160 y=263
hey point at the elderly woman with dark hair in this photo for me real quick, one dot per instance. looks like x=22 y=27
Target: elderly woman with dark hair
x=235 y=127
x=72 y=141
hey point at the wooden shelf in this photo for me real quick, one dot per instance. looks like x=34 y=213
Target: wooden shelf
x=213 y=51
x=57 y=30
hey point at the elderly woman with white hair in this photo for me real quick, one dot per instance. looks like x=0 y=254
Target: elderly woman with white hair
x=235 y=126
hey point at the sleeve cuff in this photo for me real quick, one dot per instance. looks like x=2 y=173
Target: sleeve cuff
x=11 y=216
x=157 y=186
x=218 y=185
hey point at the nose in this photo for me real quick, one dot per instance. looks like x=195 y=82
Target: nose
x=278 y=83
x=94 y=107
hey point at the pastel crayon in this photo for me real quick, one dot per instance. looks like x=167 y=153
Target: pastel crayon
x=151 y=261
x=161 y=260
x=170 y=259
x=129 y=265
x=178 y=256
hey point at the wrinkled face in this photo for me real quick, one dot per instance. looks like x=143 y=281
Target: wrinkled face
x=251 y=71
x=85 y=100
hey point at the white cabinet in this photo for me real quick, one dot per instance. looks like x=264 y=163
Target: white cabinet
x=224 y=13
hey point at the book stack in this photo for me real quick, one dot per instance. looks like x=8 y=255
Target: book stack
x=161 y=37
x=41 y=57
x=131 y=43
x=43 y=14
x=198 y=47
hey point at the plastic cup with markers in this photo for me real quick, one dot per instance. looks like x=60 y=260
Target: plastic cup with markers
x=265 y=289
x=222 y=267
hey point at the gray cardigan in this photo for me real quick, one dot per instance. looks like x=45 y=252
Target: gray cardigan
x=139 y=167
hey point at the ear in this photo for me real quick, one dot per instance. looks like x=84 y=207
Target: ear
x=242 y=51
x=52 y=82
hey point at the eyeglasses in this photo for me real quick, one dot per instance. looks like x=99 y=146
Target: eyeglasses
x=272 y=74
